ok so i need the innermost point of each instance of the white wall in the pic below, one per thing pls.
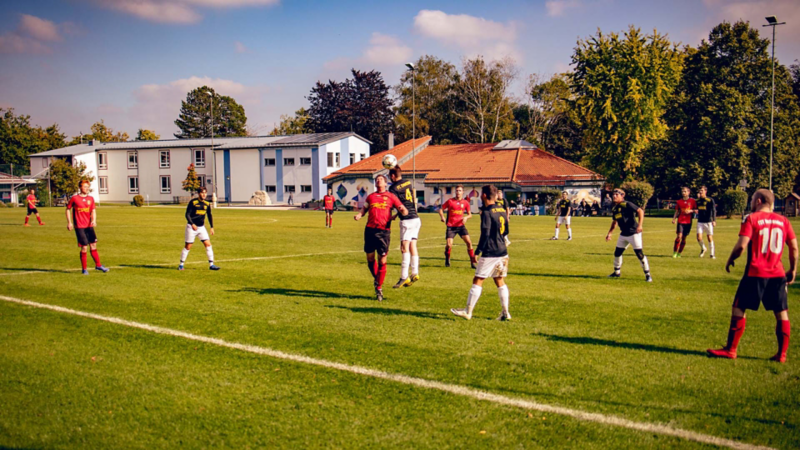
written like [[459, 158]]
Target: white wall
[[245, 176], [90, 159]]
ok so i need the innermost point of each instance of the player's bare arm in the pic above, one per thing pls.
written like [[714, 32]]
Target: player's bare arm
[[468, 216], [741, 244], [69, 219], [640, 213], [403, 210], [611, 230], [675, 216], [441, 213], [94, 218], [793, 253], [361, 213]]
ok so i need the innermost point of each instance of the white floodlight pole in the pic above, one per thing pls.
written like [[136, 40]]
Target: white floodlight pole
[[413, 132], [772, 21], [213, 151]]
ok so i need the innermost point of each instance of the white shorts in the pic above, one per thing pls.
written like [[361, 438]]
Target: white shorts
[[563, 219], [706, 228], [191, 234], [409, 229], [492, 267], [635, 240]]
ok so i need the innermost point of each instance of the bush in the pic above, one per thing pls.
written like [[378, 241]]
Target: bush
[[2, 205], [138, 200], [638, 192], [549, 198], [733, 201]]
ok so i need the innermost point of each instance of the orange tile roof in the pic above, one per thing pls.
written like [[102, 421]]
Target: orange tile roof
[[373, 163]]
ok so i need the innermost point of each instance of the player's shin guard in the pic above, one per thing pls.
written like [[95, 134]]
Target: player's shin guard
[[735, 333], [471, 253], [569, 232], [373, 269], [502, 292], [404, 265], [39, 219], [210, 254], [782, 331], [95, 257], [683, 244], [676, 244], [184, 255], [26, 219], [618, 259], [472, 298], [83, 260], [415, 264], [381, 275], [711, 245], [643, 260], [447, 253], [702, 246], [556, 235]]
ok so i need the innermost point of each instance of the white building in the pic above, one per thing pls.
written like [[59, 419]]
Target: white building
[[279, 165]]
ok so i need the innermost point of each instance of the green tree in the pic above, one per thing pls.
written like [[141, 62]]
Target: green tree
[[19, 139], [482, 101], [622, 86], [194, 120], [147, 135], [100, 132], [295, 124], [192, 182], [549, 117], [432, 97], [719, 118], [65, 178]]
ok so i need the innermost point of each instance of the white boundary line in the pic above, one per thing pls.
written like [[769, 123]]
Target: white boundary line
[[413, 381]]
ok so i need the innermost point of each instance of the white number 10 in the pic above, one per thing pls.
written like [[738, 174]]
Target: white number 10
[[773, 242]]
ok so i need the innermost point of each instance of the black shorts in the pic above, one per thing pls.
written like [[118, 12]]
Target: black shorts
[[329, 211], [453, 231], [753, 291], [684, 229], [377, 240], [85, 236], [32, 211]]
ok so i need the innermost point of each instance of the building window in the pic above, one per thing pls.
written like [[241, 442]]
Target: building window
[[363, 156], [333, 160], [166, 184], [103, 184], [305, 188], [102, 160], [269, 161], [448, 190], [288, 161], [133, 160], [133, 185], [435, 190], [269, 188], [288, 189], [305, 161], [199, 158], [44, 162], [352, 158], [163, 157]]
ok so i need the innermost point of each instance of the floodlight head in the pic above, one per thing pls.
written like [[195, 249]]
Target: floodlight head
[[772, 20], [410, 66]]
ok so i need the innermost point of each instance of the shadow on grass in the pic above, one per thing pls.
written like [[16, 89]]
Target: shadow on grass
[[301, 293], [149, 266], [627, 345], [629, 251], [30, 269], [393, 312]]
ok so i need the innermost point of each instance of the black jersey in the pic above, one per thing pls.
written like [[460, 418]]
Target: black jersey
[[706, 210], [563, 207], [625, 213], [404, 191], [196, 212], [493, 227]]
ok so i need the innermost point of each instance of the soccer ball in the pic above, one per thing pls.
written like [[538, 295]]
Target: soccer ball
[[389, 161]]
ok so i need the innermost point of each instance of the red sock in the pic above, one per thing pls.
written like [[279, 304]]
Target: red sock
[[95, 257], [39, 219], [381, 275], [330, 221], [675, 245], [735, 332], [447, 252], [782, 331], [373, 268], [471, 254], [26, 219], [683, 244], [83, 260]]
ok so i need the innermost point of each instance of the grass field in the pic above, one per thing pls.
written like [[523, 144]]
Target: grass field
[[621, 348]]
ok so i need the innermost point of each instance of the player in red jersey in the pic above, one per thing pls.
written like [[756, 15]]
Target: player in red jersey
[[329, 202], [764, 233], [82, 213], [684, 208], [378, 233], [31, 202], [458, 212]]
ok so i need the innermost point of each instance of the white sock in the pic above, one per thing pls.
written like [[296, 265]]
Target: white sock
[[415, 264], [404, 265], [472, 298], [569, 231], [556, 232], [702, 246], [617, 263], [711, 244], [184, 254], [502, 292], [210, 254], [645, 265]]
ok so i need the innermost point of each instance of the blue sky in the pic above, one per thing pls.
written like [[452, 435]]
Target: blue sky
[[130, 62]]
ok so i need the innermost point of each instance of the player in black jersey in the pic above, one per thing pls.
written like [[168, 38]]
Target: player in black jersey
[[409, 227], [502, 203], [564, 212], [706, 220], [196, 212], [625, 214], [494, 255]]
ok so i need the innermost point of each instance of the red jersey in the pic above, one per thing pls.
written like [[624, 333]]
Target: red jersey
[[329, 201], [31, 201], [82, 208], [686, 208], [455, 211], [380, 206], [768, 233]]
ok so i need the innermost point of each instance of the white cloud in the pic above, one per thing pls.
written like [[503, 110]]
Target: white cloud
[[176, 11], [14, 43], [240, 48], [40, 29], [557, 8], [387, 50], [472, 35], [34, 35]]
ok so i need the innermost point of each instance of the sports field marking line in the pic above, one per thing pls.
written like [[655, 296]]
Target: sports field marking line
[[409, 380]]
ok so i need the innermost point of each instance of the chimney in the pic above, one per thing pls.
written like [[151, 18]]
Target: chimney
[[391, 140]]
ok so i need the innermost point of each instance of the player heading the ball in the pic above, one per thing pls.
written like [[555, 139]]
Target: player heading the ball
[[196, 212], [409, 227], [630, 218]]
